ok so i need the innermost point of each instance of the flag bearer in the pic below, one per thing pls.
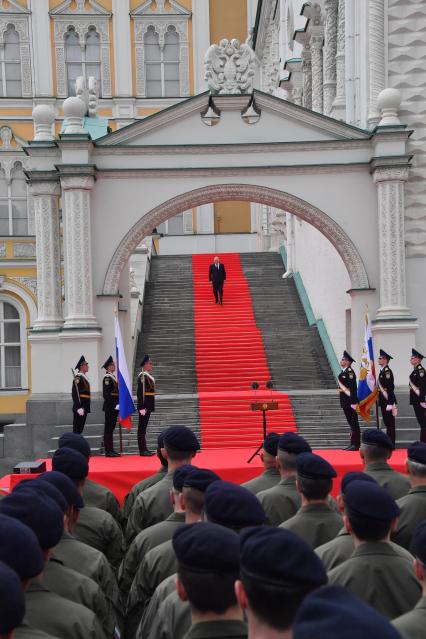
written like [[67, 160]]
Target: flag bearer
[[80, 396], [110, 407], [146, 403], [347, 388], [387, 399]]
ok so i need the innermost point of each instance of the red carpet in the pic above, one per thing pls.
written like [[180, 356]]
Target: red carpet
[[122, 473], [229, 356]]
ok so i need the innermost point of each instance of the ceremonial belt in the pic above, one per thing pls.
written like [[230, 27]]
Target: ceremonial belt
[[149, 394], [114, 394], [415, 388], [383, 391], [344, 388], [85, 396]]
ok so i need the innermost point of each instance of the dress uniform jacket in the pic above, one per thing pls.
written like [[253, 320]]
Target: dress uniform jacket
[[76, 587], [98, 529], [226, 629], [58, 616], [412, 625], [151, 506], [413, 511], [280, 502], [146, 391], [81, 393], [142, 544], [159, 563], [130, 498], [381, 577], [315, 523], [348, 379], [395, 483], [25, 631], [418, 378], [270, 477], [387, 383], [109, 392], [99, 496]]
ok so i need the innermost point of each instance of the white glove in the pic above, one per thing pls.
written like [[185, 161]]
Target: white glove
[[417, 391], [389, 407], [348, 393], [80, 411], [353, 406], [143, 411], [423, 404], [117, 407]]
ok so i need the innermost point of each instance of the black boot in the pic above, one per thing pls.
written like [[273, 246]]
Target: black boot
[[143, 450]]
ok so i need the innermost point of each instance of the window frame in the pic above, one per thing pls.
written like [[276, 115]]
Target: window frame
[[7, 299], [84, 63], [20, 25], [9, 198], [162, 63]]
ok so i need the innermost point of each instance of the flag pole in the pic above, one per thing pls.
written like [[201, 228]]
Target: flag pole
[[120, 429]]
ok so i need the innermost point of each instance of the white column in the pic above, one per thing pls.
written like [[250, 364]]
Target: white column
[[376, 57], [122, 52], [317, 73], [339, 104], [78, 252], [205, 219], [330, 51], [41, 44], [49, 295], [201, 41], [390, 193]]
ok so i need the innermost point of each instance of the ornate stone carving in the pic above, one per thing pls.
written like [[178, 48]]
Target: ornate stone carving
[[24, 249], [6, 136], [229, 67], [307, 78], [270, 63], [330, 51], [2, 249], [249, 193], [376, 57], [21, 27], [317, 73], [29, 282], [339, 105]]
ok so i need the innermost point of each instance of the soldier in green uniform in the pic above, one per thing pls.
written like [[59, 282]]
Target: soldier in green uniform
[[412, 625], [417, 386], [80, 396], [12, 598], [375, 572], [146, 403], [376, 450], [316, 522], [333, 612], [282, 501], [44, 609], [276, 566], [270, 475], [153, 505], [142, 485], [208, 566], [348, 395], [94, 494], [95, 527], [110, 406], [387, 399], [412, 505]]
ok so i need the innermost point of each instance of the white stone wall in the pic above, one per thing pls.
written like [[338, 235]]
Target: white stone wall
[[325, 279]]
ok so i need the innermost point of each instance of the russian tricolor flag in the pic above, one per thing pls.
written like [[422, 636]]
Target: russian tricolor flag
[[127, 406], [367, 390]]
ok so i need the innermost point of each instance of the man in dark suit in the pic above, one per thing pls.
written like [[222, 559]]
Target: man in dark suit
[[347, 388], [217, 276]]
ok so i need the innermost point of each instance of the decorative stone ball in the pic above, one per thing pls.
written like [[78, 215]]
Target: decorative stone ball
[[43, 114], [389, 99], [73, 107]]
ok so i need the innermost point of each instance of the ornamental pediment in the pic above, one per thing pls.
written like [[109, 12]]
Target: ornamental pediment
[[12, 7], [79, 8], [165, 8]]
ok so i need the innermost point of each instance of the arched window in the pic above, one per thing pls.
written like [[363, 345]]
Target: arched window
[[10, 65], [82, 60], [162, 63], [13, 203], [10, 346]]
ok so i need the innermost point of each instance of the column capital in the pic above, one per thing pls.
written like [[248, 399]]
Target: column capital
[[50, 188], [390, 174], [77, 182]]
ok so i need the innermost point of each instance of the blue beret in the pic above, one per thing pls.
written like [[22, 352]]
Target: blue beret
[[232, 505], [19, 548], [313, 466], [418, 542], [75, 441], [71, 463], [270, 443], [280, 558], [180, 474], [333, 612], [207, 547], [200, 479], [12, 609], [38, 512], [417, 452], [66, 486], [377, 437], [181, 438], [45, 489], [365, 499], [293, 443], [354, 475]]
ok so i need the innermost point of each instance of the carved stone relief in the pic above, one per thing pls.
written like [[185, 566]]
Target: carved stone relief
[[229, 67], [24, 249]]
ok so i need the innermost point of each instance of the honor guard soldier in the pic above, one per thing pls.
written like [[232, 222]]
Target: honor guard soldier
[[146, 403], [418, 391], [387, 399], [110, 407], [80, 396], [347, 388]]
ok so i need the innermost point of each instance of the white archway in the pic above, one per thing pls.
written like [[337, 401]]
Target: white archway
[[259, 194]]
